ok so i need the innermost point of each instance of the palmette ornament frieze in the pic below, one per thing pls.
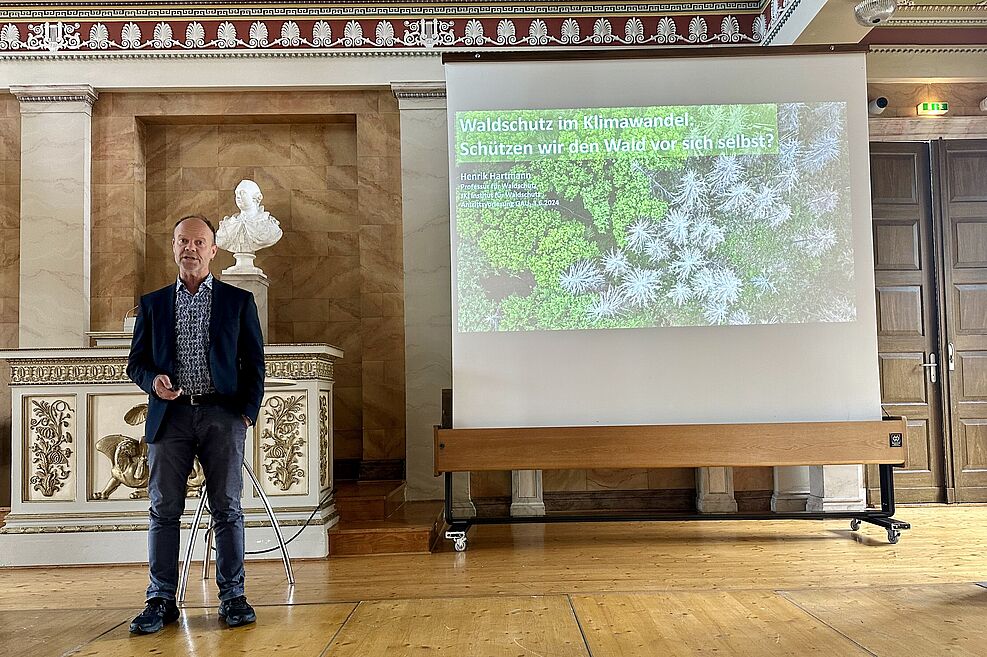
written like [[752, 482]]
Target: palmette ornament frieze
[[68, 371], [300, 367], [709, 24], [108, 370]]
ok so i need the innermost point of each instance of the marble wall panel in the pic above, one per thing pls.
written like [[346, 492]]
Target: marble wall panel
[[325, 210], [341, 176], [383, 202], [344, 243], [666, 478], [381, 258], [563, 480], [118, 170], [10, 201], [342, 145], [252, 145], [753, 479], [963, 98], [490, 484], [114, 137], [378, 135], [345, 309], [610, 479], [583, 480], [347, 444]]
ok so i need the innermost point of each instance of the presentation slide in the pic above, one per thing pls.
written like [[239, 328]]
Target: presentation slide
[[661, 240], [636, 217]]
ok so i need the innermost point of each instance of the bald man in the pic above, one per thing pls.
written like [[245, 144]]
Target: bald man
[[198, 353]]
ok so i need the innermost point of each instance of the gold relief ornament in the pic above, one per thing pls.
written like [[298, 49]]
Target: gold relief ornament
[[282, 441], [49, 448], [323, 439], [128, 457]]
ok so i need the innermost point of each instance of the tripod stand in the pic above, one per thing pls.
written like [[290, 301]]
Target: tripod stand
[[187, 564]]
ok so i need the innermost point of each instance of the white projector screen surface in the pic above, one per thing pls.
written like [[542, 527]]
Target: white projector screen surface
[[658, 241]]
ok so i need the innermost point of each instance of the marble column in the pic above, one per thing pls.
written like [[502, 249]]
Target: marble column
[[427, 280], [714, 490], [56, 161], [527, 498], [257, 284], [836, 488], [791, 489]]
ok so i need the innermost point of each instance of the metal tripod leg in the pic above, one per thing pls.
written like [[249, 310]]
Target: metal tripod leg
[[183, 579], [274, 522], [208, 554]]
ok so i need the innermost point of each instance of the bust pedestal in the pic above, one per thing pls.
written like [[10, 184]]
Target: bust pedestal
[[255, 282]]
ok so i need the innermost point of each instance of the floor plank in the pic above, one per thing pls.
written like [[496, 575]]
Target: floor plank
[[945, 545], [695, 588], [483, 627], [911, 620], [43, 632], [286, 631], [737, 623]]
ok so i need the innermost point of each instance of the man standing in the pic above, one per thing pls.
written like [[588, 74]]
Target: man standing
[[198, 353]]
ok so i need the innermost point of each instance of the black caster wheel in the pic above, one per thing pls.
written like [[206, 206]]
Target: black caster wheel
[[854, 524], [460, 544], [893, 536]]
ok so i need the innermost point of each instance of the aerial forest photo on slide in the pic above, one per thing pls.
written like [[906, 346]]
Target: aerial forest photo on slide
[[638, 217]]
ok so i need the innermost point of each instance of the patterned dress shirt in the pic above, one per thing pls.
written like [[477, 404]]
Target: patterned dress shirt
[[192, 313]]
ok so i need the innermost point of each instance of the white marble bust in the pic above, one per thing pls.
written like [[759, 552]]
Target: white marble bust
[[248, 231]]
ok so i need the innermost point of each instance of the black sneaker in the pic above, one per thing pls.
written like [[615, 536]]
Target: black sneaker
[[158, 613], [237, 611]]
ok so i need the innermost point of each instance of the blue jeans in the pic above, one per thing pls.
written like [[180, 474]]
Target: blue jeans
[[216, 435]]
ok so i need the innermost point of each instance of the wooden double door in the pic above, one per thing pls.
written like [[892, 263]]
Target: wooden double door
[[930, 259]]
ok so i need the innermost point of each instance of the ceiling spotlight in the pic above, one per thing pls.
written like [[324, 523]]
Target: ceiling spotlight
[[873, 12], [983, 105], [877, 105]]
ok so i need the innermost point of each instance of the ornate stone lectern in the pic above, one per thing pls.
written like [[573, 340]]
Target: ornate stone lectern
[[79, 463]]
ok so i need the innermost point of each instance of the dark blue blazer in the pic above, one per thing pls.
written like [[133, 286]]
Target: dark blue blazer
[[236, 350]]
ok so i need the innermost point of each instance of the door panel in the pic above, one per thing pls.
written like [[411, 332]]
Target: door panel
[[907, 319], [963, 183]]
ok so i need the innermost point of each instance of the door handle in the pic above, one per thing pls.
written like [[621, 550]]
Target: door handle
[[950, 362], [932, 367]]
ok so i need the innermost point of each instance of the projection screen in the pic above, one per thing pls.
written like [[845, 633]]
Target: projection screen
[[666, 240]]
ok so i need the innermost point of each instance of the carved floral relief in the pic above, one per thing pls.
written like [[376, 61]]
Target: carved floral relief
[[51, 425], [282, 443], [325, 445]]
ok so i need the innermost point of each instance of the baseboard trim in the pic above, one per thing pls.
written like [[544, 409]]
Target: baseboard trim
[[659, 500], [370, 470], [753, 501]]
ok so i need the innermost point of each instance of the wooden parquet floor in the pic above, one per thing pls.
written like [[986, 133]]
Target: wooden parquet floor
[[650, 589]]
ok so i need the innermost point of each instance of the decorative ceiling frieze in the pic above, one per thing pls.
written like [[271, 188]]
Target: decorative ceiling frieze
[[961, 22], [163, 29]]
